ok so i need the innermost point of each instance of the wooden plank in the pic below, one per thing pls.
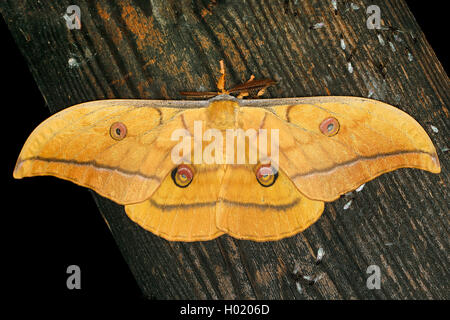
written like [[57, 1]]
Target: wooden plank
[[154, 49]]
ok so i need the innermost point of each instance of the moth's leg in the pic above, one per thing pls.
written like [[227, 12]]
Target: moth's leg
[[242, 94], [246, 93], [262, 91], [252, 77]]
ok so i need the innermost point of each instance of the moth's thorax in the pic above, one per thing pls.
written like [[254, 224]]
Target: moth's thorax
[[223, 113]]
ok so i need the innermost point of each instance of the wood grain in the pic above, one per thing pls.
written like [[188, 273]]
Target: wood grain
[[155, 49]]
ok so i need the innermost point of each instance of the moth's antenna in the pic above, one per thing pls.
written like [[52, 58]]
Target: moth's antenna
[[221, 82], [251, 85], [243, 90]]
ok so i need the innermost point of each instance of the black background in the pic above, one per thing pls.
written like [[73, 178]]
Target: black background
[[49, 224]]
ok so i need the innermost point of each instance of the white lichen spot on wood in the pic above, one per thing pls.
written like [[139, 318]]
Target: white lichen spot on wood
[[392, 46], [317, 278], [73, 63], [320, 254], [397, 38], [348, 204], [380, 39], [410, 56], [334, 4], [299, 287], [296, 269], [359, 189], [318, 25], [343, 46], [354, 6], [350, 67], [435, 130], [308, 278]]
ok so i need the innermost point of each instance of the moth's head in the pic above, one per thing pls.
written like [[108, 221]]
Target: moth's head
[[222, 111], [223, 97]]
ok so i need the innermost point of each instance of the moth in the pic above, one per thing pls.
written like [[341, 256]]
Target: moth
[[315, 149]]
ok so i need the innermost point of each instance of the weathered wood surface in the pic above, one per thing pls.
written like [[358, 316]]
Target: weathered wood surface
[[154, 49]]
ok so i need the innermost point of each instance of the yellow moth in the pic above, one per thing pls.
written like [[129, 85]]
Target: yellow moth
[[324, 146]]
